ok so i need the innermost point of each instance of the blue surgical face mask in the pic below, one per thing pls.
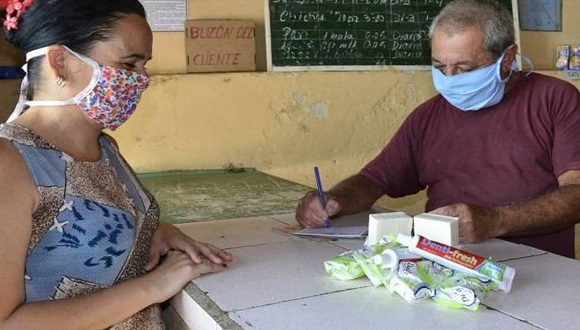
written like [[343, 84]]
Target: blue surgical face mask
[[473, 90]]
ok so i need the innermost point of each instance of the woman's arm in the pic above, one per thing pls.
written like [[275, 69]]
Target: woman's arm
[[109, 306], [101, 309]]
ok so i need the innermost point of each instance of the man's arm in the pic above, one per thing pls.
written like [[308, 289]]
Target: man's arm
[[355, 194], [352, 195], [548, 213], [551, 212]]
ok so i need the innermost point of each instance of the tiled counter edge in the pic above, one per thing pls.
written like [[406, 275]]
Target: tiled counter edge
[[200, 312]]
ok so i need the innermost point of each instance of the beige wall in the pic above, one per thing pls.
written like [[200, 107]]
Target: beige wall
[[540, 47], [9, 92], [169, 48], [280, 123]]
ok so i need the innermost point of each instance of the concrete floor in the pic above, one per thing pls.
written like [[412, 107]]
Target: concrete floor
[[214, 195]]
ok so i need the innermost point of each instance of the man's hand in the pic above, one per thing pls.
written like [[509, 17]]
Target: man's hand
[[476, 223], [352, 195], [310, 213]]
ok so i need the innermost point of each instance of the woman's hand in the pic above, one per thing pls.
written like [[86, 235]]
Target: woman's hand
[[176, 270], [167, 238]]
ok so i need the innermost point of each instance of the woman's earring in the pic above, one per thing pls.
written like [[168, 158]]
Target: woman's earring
[[60, 81]]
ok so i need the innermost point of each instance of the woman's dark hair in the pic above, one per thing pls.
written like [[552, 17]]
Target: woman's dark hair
[[77, 24]]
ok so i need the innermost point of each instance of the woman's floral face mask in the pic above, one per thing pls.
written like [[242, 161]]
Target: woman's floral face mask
[[114, 97], [110, 97]]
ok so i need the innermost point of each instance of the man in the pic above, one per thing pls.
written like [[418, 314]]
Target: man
[[497, 148]]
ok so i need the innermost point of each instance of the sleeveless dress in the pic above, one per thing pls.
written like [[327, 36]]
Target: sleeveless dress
[[92, 228]]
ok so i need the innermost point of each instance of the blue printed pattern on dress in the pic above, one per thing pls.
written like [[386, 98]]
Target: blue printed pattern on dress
[[90, 240], [46, 166]]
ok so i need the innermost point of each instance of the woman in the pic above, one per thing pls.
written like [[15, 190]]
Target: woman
[[80, 239]]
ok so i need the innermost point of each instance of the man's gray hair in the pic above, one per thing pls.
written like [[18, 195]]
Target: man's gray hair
[[493, 19]]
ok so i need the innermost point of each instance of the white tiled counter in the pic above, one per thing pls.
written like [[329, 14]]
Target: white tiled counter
[[277, 281]]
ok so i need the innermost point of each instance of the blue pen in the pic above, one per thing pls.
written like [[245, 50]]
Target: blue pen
[[321, 193]]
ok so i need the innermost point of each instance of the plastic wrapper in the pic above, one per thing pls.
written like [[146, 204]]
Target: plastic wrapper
[[345, 267], [446, 286], [410, 276]]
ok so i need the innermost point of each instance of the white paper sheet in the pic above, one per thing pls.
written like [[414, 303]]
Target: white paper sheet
[[342, 232], [166, 15]]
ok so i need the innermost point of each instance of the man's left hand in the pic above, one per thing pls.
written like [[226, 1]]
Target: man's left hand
[[476, 223]]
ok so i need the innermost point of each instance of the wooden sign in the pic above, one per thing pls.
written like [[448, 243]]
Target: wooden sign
[[220, 45]]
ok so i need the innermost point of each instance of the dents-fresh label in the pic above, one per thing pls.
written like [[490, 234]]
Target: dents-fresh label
[[463, 258]]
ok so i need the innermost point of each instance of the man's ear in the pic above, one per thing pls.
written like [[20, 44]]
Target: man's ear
[[508, 59], [56, 61]]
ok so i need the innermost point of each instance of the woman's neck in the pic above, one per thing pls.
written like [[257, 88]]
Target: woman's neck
[[66, 128]]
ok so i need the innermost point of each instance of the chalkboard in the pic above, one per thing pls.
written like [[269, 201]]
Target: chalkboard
[[329, 34]]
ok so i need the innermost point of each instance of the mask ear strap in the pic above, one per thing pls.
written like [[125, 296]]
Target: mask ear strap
[[23, 101], [19, 108], [94, 79], [529, 62], [516, 67]]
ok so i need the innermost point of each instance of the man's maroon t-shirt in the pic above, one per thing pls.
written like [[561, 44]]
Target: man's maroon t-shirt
[[511, 152]]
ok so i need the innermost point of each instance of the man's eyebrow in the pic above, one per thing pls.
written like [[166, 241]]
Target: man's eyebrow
[[139, 56], [466, 62]]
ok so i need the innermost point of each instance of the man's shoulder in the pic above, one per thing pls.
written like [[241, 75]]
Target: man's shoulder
[[426, 112], [435, 102], [540, 80]]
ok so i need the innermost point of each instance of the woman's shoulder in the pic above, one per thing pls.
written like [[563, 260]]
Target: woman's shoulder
[[9, 156], [14, 177], [23, 135]]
